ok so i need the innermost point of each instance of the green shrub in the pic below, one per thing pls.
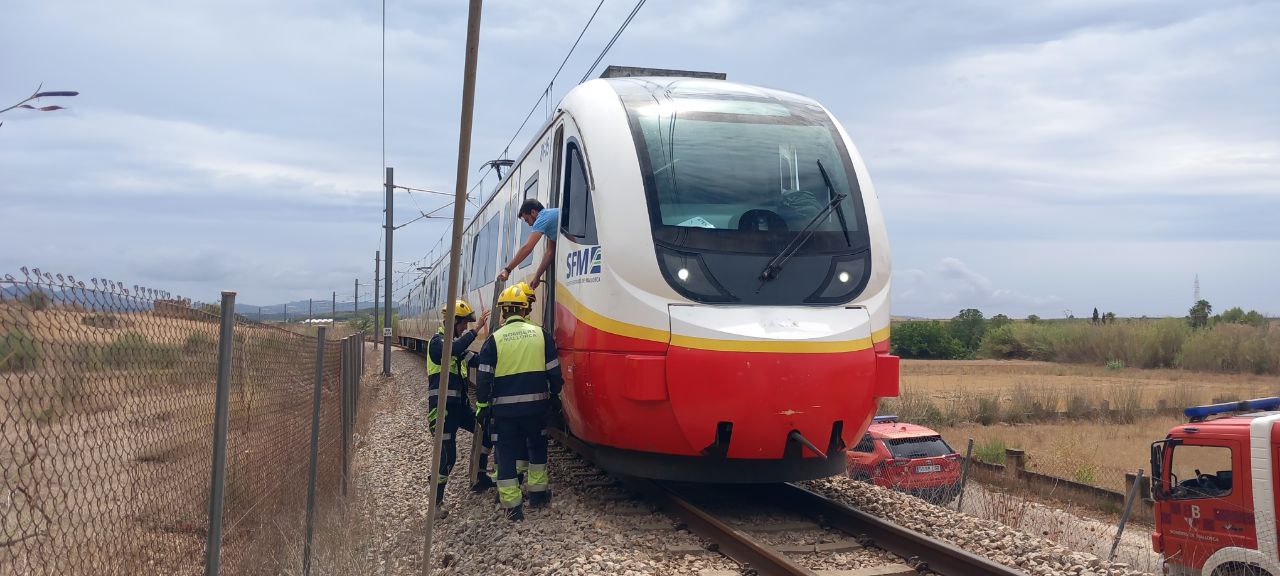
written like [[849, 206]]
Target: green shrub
[[199, 343], [19, 351], [102, 321], [1115, 364], [133, 350], [924, 339], [916, 409], [1078, 407], [1085, 474], [36, 300], [988, 410], [991, 451]]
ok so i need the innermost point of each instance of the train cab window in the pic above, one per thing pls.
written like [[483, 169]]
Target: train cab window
[[1200, 472], [866, 445], [530, 191], [577, 217]]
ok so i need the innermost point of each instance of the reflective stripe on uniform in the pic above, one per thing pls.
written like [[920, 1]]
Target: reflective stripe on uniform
[[447, 436], [537, 479], [518, 398], [522, 466], [485, 368], [553, 363], [509, 493], [435, 391]]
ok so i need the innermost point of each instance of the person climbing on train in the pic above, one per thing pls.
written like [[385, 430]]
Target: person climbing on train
[[518, 384], [544, 222], [458, 413]]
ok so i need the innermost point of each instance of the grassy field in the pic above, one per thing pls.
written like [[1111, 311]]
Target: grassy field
[[1056, 411]]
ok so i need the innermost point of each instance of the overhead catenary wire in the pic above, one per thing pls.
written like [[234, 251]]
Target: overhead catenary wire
[[607, 47], [545, 95]]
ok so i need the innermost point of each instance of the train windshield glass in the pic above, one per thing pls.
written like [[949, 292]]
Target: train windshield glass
[[742, 170]]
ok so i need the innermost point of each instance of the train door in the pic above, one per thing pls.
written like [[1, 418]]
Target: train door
[[553, 201]]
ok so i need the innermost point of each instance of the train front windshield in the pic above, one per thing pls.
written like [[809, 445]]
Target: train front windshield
[[738, 178]]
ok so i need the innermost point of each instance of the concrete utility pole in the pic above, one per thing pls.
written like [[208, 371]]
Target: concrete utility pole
[[386, 279], [377, 320], [334, 310], [459, 203], [309, 316], [356, 307]]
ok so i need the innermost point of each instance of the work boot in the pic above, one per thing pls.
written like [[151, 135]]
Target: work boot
[[441, 513], [515, 514], [439, 493], [539, 499], [482, 484]]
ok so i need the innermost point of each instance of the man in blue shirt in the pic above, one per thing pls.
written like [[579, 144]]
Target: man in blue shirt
[[544, 222]]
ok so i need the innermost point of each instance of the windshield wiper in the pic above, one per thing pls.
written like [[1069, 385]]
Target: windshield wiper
[[831, 192], [775, 264]]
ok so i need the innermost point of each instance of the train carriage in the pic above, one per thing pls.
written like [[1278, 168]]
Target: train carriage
[[720, 288]]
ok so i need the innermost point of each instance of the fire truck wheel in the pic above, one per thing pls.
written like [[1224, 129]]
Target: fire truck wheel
[[1238, 569]]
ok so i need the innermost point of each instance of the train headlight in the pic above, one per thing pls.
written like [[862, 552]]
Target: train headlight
[[845, 279], [689, 276]]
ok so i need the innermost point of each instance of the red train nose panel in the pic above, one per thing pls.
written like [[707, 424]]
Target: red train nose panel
[[766, 395]]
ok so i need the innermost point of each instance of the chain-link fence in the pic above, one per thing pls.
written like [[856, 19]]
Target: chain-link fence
[[107, 433]]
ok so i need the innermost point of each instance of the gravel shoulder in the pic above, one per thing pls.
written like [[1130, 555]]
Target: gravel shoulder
[[1000, 543], [588, 529]]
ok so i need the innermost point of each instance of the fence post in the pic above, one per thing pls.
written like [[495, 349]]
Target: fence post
[[964, 473], [221, 411], [1128, 507], [347, 371], [315, 445], [1015, 461]]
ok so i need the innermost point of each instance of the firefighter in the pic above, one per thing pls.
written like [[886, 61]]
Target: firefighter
[[518, 384], [522, 457], [458, 412]]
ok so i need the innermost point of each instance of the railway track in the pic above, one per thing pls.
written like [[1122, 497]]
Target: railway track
[[710, 513]]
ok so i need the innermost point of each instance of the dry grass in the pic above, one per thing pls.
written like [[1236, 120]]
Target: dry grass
[[1076, 442]]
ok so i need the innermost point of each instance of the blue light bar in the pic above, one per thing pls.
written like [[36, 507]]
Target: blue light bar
[[1197, 413], [882, 419]]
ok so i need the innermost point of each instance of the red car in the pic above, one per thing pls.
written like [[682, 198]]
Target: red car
[[908, 458]]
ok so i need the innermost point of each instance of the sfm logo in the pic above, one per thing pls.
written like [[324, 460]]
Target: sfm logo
[[584, 261]]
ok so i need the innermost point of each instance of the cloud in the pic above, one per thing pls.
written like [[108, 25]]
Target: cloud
[[247, 136], [952, 285]]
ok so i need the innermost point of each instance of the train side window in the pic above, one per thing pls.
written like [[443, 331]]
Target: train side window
[[485, 253], [1197, 471], [530, 191], [866, 445], [577, 218]]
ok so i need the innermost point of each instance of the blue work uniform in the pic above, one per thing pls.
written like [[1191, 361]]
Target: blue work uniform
[[458, 413]]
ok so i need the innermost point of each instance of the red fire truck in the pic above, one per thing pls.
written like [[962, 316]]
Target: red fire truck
[[1214, 481]]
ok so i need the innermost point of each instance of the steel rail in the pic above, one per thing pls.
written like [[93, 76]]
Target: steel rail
[[933, 554], [926, 552]]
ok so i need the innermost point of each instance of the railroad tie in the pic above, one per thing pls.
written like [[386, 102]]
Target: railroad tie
[[837, 546], [886, 570]]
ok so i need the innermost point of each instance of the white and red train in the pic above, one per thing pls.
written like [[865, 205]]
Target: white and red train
[[720, 292]]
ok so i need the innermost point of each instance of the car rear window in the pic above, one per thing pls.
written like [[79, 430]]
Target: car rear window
[[919, 447]]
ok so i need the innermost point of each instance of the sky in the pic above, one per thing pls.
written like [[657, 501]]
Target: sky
[[1038, 157]]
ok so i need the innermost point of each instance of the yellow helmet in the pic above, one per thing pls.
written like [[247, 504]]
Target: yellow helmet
[[461, 311], [528, 292], [514, 297]]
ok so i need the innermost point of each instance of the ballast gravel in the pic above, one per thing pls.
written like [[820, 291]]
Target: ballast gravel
[[995, 541], [582, 532], [592, 528]]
